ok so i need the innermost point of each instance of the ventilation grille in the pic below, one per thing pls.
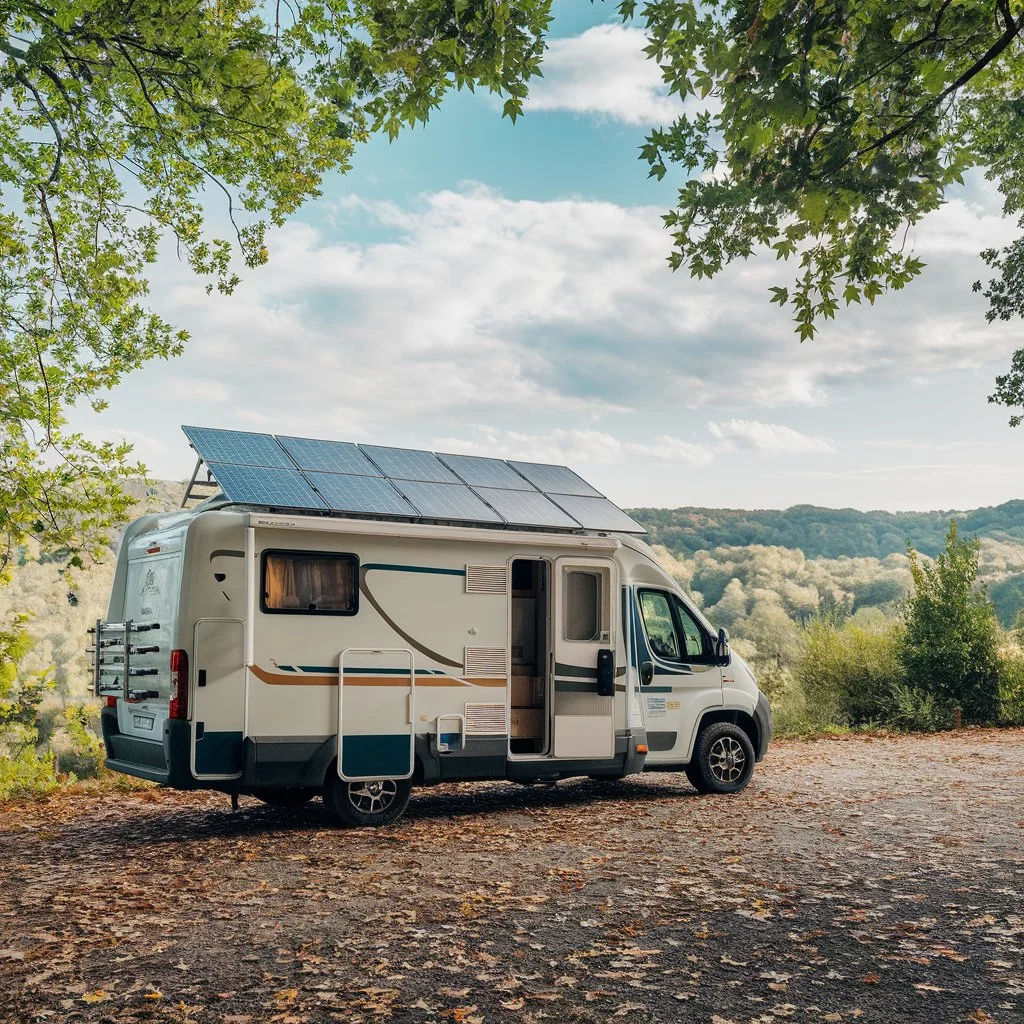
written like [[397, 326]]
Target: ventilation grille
[[486, 579], [485, 662], [485, 719]]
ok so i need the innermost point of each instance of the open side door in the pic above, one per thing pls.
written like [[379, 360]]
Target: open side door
[[376, 712], [584, 647], [218, 699]]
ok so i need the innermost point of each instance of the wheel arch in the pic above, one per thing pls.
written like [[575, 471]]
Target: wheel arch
[[734, 716]]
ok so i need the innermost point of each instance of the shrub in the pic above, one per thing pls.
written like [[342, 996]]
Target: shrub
[[27, 773], [1011, 687], [847, 674], [949, 648], [81, 753], [913, 710]]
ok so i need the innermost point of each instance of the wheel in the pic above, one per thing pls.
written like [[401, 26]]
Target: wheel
[[723, 760], [290, 796], [362, 804]]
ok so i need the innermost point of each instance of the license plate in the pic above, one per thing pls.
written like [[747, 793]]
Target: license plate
[[142, 722]]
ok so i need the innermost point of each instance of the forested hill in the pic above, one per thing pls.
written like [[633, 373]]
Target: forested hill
[[824, 532]]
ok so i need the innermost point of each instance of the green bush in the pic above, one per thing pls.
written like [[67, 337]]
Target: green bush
[[950, 644], [847, 674], [1011, 687], [913, 710], [81, 751], [27, 773]]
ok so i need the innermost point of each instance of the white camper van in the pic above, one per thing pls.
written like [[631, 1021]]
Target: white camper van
[[351, 621]]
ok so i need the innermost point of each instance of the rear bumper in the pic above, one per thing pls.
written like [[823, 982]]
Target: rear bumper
[[166, 760], [763, 717]]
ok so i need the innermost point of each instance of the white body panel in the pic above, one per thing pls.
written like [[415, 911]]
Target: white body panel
[[271, 677]]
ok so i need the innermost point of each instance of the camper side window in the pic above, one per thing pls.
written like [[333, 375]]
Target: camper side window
[[310, 583]]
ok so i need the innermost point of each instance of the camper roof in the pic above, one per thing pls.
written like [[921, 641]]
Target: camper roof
[[372, 482]]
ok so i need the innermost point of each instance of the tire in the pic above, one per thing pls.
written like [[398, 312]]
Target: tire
[[723, 761], [365, 804], [291, 796]]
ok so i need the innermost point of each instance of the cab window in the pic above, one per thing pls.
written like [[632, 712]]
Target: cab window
[[672, 632], [661, 629]]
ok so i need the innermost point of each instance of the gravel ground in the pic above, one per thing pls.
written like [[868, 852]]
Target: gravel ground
[[856, 879]]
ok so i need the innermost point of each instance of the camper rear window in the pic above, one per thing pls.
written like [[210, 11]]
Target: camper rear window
[[310, 583]]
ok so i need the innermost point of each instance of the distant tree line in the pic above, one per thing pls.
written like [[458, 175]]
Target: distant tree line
[[825, 532]]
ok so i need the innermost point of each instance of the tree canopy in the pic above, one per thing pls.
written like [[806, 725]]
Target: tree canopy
[[124, 126], [823, 131]]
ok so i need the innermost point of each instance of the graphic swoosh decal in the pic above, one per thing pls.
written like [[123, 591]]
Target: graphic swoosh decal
[[433, 655]]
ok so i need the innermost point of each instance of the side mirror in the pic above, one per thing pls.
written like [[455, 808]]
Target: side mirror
[[722, 653], [646, 672]]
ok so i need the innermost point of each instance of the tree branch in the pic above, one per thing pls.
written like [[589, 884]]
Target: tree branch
[[1012, 31], [45, 111]]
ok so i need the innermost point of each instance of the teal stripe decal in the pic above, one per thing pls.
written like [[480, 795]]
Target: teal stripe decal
[[656, 689], [413, 568]]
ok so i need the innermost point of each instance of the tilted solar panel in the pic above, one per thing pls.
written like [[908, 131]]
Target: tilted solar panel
[[238, 447], [447, 501], [526, 508], [264, 485], [555, 479], [597, 513], [328, 456], [408, 464], [480, 472], [344, 492]]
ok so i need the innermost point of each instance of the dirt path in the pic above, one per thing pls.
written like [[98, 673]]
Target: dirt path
[[855, 880]]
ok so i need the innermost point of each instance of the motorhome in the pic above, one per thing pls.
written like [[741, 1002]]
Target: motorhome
[[350, 621]]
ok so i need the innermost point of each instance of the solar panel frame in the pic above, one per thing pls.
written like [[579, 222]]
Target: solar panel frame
[[480, 471], [526, 508], [409, 464], [316, 456], [455, 502], [551, 479], [351, 492], [238, 447], [266, 485], [596, 513]]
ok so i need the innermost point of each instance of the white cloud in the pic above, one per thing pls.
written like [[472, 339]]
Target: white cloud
[[769, 438], [590, 447], [561, 315], [604, 72], [198, 388]]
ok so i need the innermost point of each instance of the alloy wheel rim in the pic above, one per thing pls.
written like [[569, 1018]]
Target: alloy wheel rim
[[372, 797], [727, 760]]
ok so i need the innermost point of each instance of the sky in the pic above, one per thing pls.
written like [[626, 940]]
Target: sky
[[489, 288]]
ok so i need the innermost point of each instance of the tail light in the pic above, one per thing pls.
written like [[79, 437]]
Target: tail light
[[178, 708], [111, 702]]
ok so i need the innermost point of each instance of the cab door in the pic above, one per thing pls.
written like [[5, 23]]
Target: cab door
[[680, 677], [583, 710]]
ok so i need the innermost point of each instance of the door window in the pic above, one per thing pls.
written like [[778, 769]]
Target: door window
[[695, 641], [672, 632], [586, 605]]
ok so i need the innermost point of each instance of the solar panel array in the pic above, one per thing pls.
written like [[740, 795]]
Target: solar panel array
[[364, 479]]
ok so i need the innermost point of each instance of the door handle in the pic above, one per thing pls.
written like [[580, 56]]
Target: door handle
[[201, 678], [646, 672]]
